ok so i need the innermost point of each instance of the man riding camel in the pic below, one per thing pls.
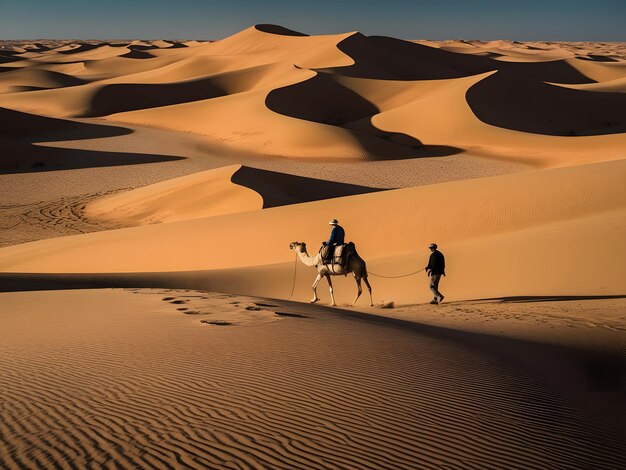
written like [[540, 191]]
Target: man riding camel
[[337, 237]]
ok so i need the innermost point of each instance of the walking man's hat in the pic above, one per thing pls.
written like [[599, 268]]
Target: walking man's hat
[[433, 245], [333, 222]]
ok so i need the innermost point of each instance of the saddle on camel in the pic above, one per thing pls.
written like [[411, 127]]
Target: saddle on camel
[[337, 255]]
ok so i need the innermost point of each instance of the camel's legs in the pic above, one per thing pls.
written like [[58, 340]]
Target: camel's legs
[[315, 283], [330, 286], [359, 289], [367, 283]]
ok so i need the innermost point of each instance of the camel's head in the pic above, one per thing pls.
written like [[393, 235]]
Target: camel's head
[[298, 246]]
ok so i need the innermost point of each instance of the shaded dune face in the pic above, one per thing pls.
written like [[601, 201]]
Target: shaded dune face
[[32, 128], [275, 29], [81, 48], [20, 131], [513, 102], [128, 97], [19, 157], [36, 79], [137, 54], [377, 59], [321, 99], [278, 189], [395, 59]]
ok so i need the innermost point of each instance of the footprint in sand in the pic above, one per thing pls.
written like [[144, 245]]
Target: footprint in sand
[[178, 302], [216, 322], [286, 314], [168, 298]]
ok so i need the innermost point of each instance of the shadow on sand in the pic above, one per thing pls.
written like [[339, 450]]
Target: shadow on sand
[[31, 128], [280, 189], [550, 298], [28, 158], [387, 58], [542, 108]]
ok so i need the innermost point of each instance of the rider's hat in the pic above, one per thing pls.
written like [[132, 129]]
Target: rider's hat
[[333, 222], [433, 245]]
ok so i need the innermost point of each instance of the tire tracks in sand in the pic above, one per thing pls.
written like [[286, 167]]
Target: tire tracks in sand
[[22, 223]]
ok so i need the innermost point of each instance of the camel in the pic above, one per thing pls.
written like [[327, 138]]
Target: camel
[[356, 266]]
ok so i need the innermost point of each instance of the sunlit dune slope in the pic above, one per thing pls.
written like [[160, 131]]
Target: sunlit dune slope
[[532, 233], [203, 194]]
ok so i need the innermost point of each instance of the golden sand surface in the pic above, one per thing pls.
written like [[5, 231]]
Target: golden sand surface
[[190, 379]]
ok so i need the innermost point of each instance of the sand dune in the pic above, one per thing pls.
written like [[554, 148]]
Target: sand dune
[[617, 85], [599, 71], [553, 211], [451, 120], [33, 79], [541, 108], [264, 130], [373, 86], [227, 190], [403, 60], [203, 194]]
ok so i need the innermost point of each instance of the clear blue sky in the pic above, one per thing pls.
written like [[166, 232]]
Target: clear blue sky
[[565, 20]]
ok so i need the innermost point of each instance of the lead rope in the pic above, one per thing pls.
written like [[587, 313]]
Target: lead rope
[[295, 268], [396, 277], [293, 284]]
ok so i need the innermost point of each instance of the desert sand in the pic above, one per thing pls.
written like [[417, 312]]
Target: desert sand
[[133, 172]]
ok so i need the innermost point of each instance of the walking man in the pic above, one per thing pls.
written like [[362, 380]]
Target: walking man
[[435, 269]]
